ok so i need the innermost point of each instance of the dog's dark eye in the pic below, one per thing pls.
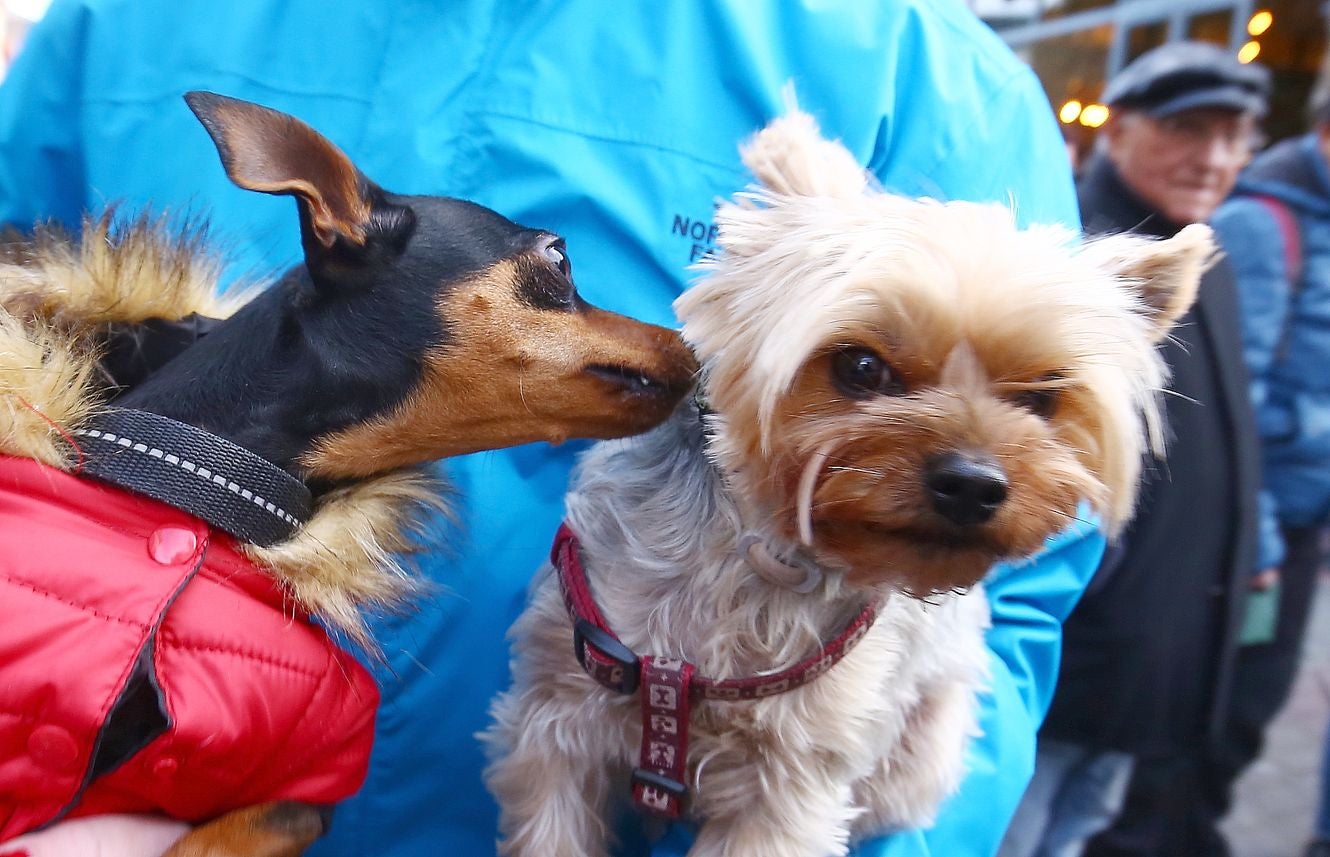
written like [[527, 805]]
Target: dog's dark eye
[[859, 372], [1041, 403], [555, 253]]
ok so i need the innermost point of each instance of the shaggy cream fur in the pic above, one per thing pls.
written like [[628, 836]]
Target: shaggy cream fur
[[56, 290], [806, 259], [1016, 349]]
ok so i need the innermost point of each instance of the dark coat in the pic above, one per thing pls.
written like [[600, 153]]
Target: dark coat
[[1147, 654]]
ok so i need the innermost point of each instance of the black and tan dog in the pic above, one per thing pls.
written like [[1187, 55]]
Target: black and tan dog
[[418, 327]]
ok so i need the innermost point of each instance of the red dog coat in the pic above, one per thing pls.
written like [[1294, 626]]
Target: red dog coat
[[113, 608]]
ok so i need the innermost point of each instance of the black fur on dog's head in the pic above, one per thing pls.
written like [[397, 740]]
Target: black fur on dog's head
[[418, 327]]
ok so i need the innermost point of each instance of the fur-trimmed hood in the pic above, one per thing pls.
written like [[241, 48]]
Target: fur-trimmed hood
[[58, 293]]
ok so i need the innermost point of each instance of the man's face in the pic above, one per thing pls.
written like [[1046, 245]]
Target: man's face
[[1183, 164]]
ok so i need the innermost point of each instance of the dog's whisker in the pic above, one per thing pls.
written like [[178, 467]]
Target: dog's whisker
[[1182, 397], [419, 664], [836, 501], [521, 390], [845, 468], [1072, 517]]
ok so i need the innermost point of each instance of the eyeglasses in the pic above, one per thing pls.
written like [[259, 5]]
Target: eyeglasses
[[1236, 134]]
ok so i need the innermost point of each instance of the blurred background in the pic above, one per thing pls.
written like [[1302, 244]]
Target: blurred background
[[1074, 46]]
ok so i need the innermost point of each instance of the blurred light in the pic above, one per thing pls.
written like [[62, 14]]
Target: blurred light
[[1249, 51], [1260, 22], [1070, 111], [28, 10], [1094, 115]]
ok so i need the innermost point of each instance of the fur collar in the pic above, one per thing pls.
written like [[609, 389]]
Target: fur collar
[[57, 291]]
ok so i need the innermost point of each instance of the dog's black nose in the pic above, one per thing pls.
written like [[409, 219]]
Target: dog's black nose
[[965, 489]]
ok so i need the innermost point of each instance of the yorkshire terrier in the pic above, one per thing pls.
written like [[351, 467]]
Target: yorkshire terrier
[[895, 395]]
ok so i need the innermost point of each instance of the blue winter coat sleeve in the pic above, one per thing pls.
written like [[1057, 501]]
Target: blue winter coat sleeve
[[41, 163], [1254, 245]]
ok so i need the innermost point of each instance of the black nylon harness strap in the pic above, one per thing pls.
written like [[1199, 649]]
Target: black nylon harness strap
[[200, 473]]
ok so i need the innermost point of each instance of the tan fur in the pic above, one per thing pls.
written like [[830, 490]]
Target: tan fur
[[55, 291], [789, 156], [282, 829], [343, 560], [1166, 273], [125, 273], [45, 383]]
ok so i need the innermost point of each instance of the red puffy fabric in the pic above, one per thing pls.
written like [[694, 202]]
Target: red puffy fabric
[[261, 704]]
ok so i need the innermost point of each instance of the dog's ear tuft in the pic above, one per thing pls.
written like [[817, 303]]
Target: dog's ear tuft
[[270, 152], [790, 156], [1166, 274]]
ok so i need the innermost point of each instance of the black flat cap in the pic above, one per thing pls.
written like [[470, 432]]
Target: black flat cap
[[1183, 75]]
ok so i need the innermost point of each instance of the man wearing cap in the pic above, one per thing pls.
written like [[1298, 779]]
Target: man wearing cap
[[1138, 717]]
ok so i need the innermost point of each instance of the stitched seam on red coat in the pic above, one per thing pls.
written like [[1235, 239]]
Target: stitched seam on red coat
[[46, 593], [176, 642], [300, 762]]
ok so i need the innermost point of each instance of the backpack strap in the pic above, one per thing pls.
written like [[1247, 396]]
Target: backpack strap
[[1292, 235], [1292, 239]]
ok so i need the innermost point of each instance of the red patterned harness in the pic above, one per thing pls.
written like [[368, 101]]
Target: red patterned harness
[[670, 686]]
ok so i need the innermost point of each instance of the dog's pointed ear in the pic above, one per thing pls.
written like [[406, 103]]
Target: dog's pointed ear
[[790, 156], [270, 152], [1166, 274]]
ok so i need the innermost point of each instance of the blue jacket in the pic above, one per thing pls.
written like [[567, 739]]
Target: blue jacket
[[1286, 326], [618, 130]]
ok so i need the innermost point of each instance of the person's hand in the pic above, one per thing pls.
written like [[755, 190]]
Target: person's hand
[[99, 836], [1260, 582]]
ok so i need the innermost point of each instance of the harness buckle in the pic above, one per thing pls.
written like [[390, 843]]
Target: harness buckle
[[622, 673], [658, 793]]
